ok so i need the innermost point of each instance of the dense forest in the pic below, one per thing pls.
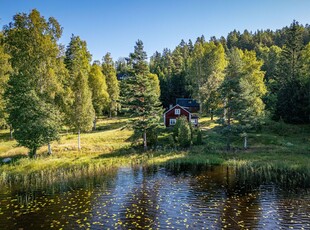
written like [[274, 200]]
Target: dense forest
[[243, 79]]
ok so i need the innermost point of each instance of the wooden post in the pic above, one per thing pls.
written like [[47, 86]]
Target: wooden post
[[11, 132], [49, 149], [144, 141], [245, 142], [79, 140]]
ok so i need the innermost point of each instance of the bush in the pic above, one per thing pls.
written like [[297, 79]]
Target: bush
[[182, 132], [199, 137], [152, 137]]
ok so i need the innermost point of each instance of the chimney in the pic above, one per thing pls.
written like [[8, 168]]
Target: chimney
[[170, 106]]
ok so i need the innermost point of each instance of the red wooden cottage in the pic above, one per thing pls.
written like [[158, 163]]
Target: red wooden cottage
[[171, 115]]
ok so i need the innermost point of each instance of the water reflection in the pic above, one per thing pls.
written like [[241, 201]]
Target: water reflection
[[204, 197]]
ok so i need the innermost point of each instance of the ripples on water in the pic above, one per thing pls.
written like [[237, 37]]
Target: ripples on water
[[157, 198]]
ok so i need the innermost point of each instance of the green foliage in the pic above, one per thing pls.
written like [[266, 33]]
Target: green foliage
[[152, 136], [175, 131], [34, 121], [242, 91], [171, 68], [184, 138], [98, 87], [37, 81], [182, 132], [141, 96], [5, 70], [142, 100], [83, 113], [199, 137], [206, 73], [31, 42], [77, 58], [112, 83], [138, 59], [293, 94], [243, 88]]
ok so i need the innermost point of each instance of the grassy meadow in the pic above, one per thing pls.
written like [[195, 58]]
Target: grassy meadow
[[277, 146]]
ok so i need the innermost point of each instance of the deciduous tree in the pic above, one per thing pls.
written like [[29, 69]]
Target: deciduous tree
[[31, 41], [78, 63], [109, 72], [98, 87]]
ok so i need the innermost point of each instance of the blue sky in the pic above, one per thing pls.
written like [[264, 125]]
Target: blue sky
[[115, 26]]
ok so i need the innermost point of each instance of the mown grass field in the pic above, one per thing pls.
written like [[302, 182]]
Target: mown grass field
[[277, 145]]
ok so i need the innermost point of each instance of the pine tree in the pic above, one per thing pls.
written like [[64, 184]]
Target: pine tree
[[242, 92], [141, 95], [138, 59], [142, 101], [112, 84]]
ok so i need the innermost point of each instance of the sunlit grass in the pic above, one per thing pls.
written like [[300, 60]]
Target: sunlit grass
[[109, 147]]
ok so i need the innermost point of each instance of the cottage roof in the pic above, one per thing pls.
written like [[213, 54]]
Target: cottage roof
[[187, 102]]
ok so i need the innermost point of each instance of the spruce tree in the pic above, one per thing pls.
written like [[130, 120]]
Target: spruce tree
[[142, 102], [242, 92], [138, 59], [291, 97], [141, 96]]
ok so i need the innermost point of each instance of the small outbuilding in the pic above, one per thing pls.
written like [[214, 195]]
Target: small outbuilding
[[171, 115]]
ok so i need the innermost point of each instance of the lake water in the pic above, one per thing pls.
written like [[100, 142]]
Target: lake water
[[157, 198]]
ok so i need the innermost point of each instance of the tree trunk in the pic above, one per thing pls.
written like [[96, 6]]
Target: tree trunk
[[225, 110], [11, 132], [95, 123], [79, 140], [211, 114], [228, 142], [33, 153], [49, 149], [110, 112], [144, 141], [245, 145]]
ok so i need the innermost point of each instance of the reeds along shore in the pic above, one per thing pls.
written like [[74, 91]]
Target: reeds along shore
[[279, 153]]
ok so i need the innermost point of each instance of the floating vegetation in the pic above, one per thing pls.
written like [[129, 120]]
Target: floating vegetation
[[201, 196]]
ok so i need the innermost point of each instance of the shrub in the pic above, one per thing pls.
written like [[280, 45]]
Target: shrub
[[182, 132], [199, 137], [152, 137]]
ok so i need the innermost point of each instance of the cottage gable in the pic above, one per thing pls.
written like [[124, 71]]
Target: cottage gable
[[171, 115]]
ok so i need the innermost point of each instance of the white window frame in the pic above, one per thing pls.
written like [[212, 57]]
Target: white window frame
[[172, 121], [177, 111], [194, 121]]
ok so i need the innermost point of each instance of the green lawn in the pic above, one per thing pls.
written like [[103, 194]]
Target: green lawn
[[276, 146]]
